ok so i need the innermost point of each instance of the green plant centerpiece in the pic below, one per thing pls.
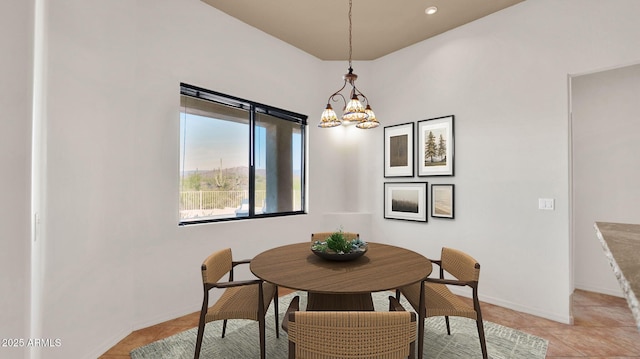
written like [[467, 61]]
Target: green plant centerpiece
[[338, 247]]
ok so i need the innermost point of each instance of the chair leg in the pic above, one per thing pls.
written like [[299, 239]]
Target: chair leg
[[446, 320], [224, 327], [293, 307], [479, 323], [483, 343], [420, 336], [412, 350], [292, 350], [262, 338], [199, 338], [276, 313]]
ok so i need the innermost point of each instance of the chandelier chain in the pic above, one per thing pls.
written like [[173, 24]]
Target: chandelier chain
[[353, 111], [350, 27]]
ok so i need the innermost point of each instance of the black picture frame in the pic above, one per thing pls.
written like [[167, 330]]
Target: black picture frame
[[399, 150], [435, 150], [442, 201], [406, 201]]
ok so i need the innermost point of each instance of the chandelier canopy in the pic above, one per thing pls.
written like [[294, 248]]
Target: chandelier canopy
[[353, 111]]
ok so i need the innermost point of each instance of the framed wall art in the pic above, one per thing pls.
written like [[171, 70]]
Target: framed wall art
[[406, 200], [435, 147], [442, 200], [398, 150]]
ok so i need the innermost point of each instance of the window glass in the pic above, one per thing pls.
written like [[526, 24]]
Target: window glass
[[278, 165], [219, 137]]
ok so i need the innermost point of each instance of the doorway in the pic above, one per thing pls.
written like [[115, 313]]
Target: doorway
[[605, 167]]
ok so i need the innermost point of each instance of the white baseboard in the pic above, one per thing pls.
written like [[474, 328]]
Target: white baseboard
[[116, 338], [557, 317], [108, 343], [165, 316], [617, 292]]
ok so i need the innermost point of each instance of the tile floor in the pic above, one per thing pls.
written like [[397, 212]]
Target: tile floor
[[603, 328]]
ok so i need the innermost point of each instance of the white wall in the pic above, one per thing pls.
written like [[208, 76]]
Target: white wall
[[113, 256], [87, 199], [15, 160], [196, 44], [504, 77], [606, 167]]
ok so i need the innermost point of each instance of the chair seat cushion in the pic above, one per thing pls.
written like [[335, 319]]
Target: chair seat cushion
[[240, 303], [439, 301]]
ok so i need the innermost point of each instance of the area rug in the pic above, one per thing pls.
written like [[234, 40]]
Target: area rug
[[241, 340]]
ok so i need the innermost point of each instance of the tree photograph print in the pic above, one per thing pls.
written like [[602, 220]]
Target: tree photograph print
[[435, 150]]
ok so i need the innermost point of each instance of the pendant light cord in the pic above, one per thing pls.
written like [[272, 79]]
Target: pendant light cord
[[350, 26], [353, 110]]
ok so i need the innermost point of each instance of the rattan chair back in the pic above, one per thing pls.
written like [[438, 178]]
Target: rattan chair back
[[324, 335], [216, 266], [460, 265]]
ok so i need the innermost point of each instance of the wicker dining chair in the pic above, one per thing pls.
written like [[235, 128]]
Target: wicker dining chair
[[322, 236], [432, 298], [338, 335], [246, 299]]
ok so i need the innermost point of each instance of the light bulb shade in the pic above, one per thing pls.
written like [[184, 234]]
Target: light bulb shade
[[370, 122], [354, 112], [329, 118]]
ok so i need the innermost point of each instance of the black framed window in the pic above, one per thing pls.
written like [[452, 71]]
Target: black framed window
[[238, 159]]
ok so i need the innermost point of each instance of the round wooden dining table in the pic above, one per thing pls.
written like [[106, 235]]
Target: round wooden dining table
[[340, 285]]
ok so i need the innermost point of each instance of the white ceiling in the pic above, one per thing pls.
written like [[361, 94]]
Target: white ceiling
[[380, 27]]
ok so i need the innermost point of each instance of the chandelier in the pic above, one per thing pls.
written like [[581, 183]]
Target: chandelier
[[353, 111]]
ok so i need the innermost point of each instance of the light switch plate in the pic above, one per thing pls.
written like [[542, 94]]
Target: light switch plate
[[546, 203]]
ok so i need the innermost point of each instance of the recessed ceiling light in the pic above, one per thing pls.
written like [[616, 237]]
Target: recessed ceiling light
[[431, 10]]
